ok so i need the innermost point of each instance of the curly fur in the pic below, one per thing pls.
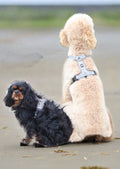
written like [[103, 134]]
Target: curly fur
[[51, 126], [84, 99]]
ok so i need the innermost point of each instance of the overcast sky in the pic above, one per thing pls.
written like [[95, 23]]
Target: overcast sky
[[59, 2]]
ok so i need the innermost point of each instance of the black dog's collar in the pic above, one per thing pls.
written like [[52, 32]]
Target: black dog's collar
[[84, 72], [40, 106]]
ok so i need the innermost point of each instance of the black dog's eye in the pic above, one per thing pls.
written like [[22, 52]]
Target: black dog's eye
[[20, 88], [14, 87]]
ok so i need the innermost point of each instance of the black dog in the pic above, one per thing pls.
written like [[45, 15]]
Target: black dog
[[40, 117]]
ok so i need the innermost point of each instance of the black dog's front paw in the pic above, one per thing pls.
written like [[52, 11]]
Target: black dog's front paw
[[23, 144], [37, 145]]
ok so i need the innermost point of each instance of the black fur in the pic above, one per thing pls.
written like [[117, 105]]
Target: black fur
[[51, 126]]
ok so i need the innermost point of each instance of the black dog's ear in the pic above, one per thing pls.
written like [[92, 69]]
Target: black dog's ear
[[8, 98], [30, 99]]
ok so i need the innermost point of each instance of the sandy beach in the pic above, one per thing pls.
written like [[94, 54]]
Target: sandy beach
[[37, 57]]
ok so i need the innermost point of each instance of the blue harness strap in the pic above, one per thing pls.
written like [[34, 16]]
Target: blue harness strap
[[84, 72], [40, 106]]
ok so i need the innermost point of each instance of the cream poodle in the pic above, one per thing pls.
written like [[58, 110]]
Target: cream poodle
[[83, 95]]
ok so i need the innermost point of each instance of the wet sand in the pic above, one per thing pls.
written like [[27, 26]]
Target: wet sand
[[37, 57]]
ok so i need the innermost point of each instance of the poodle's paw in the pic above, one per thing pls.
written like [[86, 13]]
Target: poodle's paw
[[75, 137]]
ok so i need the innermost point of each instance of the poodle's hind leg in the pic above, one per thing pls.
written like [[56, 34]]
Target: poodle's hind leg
[[97, 139], [103, 139], [107, 139]]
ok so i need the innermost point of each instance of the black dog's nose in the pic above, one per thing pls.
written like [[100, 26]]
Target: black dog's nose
[[16, 92]]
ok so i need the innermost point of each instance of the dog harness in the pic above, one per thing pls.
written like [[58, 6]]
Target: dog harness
[[40, 106], [84, 72]]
